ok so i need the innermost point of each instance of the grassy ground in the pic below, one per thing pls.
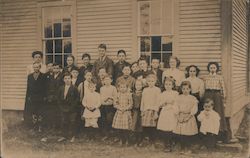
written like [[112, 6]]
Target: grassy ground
[[20, 142]]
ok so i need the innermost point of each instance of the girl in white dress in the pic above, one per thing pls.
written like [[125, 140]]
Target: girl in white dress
[[168, 117], [187, 108]]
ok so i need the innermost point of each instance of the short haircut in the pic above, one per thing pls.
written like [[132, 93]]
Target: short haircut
[[86, 55], [213, 63], [122, 83], [107, 76], [155, 59], [121, 51], [188, 68], [87, 71], [185, 83], [71, 56], [142, 58], [171, 79], [75, 69], [126, 66], [136, 62], [151, 75], [67, 74], [178, 62], [37, 64], [37, 52], [102, 46], [207, 100], [56, 64]]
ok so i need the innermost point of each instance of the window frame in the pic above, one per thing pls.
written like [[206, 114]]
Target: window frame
[[173, 34], [40, 28]]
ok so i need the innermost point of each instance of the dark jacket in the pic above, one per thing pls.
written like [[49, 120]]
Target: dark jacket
[[107, 63], [158, 73], [71, 102], [35, 96], [52, 86], [82, 71], [118, 69]]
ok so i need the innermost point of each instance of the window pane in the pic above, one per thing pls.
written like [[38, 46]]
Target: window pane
[[58, 59], [145, 44], [57, 29], [49, 46], [58, 46], [166, 57], [48, 29], [49, 59], [156, 56], [144, 18], [67, 46], [66, 28], [167, 44], [156, 43]]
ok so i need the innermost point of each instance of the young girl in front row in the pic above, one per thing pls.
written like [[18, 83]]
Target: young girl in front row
[[168, 117], [187, 108], [136, 113], [150, 107], [122, 119]]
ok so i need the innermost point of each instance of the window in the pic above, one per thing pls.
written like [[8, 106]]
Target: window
[[57, 33], [155, 29]]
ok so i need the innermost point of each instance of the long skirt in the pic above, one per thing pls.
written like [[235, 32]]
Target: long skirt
[[216, 96]]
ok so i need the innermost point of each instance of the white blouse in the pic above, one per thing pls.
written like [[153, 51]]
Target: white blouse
[[150, 99], [197, 85], [210, 123], [177, 74]]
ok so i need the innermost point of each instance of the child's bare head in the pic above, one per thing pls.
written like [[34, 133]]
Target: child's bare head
[[169, 83], [151, 80], [122, 87], [88, 75], [107, 80], [208, 104], [102, 72], [126, 70], [185, 87]]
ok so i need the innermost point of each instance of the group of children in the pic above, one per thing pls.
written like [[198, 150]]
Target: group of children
[[120, 99]]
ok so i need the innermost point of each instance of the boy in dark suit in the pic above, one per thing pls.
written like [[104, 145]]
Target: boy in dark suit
[[68, 101], [155, 63], [35, 96], [118, 67], [53, 82], [103, 62], [87, 66]]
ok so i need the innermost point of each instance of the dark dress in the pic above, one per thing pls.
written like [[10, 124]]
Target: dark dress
[[118, 69], [136, 113], [35, 96]]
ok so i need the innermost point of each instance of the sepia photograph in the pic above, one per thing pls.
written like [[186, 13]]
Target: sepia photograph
[[124, 78]]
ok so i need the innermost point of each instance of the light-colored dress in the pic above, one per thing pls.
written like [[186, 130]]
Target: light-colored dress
[[177, 74], [187, 105], [91, 99], [108, 93], [123, 116], [210, 123], [167, 119], [150, 106]]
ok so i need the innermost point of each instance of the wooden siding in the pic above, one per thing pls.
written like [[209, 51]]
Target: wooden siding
[[199, 33], [18, 41], [108, 22], [239, 54]]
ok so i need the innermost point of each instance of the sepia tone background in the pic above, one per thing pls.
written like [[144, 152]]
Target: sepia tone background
[[196, 31]]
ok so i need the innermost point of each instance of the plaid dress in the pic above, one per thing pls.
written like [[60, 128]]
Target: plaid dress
[[123, 117]]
